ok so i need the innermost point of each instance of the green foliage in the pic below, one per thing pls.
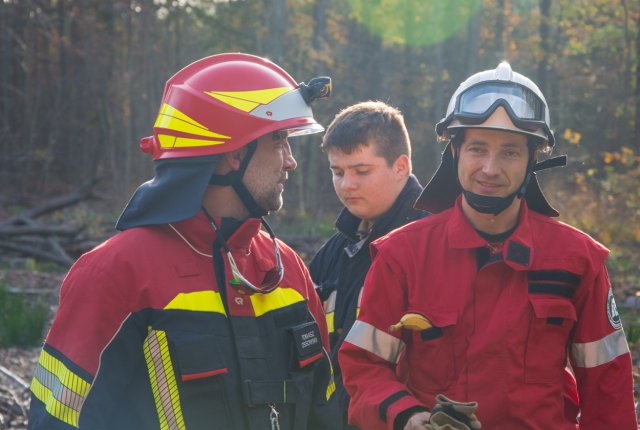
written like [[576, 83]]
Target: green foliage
[[21, 322], [631, 322], [304, 225], [604, 201], [414, 22]]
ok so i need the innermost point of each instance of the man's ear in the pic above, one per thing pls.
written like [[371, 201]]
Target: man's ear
[[234, 158], [402, 165]]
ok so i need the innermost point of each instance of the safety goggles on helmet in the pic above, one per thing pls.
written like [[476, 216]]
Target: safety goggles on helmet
[[481, 100], [526, 110]]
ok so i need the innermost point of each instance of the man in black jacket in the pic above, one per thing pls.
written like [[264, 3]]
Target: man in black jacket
[[370, 159]]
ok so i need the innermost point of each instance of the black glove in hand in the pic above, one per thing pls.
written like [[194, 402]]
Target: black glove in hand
[[448, 414]]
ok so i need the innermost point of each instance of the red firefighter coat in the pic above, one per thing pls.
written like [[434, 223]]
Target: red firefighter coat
[[152, 333], [505, 321]]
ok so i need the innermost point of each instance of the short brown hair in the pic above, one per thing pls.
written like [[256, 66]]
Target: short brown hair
[[366, 123]]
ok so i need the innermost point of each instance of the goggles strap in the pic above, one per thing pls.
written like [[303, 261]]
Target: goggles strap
[[239, 279]]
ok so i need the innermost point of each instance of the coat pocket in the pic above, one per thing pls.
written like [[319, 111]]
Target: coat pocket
[[436, 344], [202, 377], [549, 329], [199, 358]]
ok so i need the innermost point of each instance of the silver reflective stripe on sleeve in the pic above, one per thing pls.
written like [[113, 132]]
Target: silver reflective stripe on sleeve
[[605, 350], [375, 341]]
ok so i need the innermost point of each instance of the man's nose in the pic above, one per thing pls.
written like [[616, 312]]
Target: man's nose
[[491, 165], [349, 180], [290, 163]]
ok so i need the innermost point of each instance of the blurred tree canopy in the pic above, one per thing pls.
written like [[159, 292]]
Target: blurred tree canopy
[[81, 81]]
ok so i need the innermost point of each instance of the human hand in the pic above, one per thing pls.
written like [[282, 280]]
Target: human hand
[[418, 421]]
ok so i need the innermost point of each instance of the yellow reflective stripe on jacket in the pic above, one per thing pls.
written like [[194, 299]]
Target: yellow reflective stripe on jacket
[[62, 391], [331, 387], [359, 301], [279, 298], [201, 301], [163, 381], [605, 350], [329, 306], [375, 341]]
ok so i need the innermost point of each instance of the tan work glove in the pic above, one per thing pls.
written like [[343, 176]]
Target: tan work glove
[[448, 414]]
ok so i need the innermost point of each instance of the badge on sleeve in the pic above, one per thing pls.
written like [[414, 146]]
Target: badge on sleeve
[[612, 311]]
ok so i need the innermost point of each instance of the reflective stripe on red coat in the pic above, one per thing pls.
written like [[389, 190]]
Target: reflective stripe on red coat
[[502, 333], [143, 338]]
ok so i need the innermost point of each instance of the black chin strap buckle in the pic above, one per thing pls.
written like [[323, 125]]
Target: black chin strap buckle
[[550, 163]]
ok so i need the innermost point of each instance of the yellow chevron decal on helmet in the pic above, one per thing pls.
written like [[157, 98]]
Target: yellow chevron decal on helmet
[[172, 119], [167, 141], [248, 100], [171, 111]]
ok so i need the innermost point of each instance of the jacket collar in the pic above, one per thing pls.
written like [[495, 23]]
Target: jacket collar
[[347, 223], [517, 250], [199, 232]]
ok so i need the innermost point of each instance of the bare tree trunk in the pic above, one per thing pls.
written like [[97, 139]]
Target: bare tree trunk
[[277, 29], [473, 41], [5, 66], [543, 65], [637, 90], [499, 36]]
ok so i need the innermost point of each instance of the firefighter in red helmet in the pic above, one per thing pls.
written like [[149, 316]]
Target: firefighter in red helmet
[[471, 317], [195, 315]]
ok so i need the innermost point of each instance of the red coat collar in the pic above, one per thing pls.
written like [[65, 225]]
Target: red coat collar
[[201, 235], [517, 251]]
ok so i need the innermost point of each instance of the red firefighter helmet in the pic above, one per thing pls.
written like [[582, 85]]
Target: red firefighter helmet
[[223, 102]]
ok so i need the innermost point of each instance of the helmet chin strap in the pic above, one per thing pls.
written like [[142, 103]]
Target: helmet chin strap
[[234, 179], [489, 204]]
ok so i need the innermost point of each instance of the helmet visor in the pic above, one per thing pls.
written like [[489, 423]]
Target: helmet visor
[[480, 100]]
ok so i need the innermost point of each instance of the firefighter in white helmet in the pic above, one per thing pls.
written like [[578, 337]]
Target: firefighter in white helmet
[[488, 300]]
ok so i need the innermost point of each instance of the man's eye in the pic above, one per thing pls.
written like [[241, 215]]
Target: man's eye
[[363, 172], [279, 135], [337, 173]]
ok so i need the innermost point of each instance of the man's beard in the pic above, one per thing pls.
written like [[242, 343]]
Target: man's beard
[[271, 201]]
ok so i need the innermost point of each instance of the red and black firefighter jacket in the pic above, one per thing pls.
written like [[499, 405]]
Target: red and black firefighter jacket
[[152, 334], [339, 268], [504, 323]]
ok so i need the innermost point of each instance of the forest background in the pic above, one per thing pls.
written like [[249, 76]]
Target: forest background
[[81, 81]]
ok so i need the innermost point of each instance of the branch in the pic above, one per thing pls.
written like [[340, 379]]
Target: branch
[[13, 377], [81, 193], [28, 250], [39, 230]]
